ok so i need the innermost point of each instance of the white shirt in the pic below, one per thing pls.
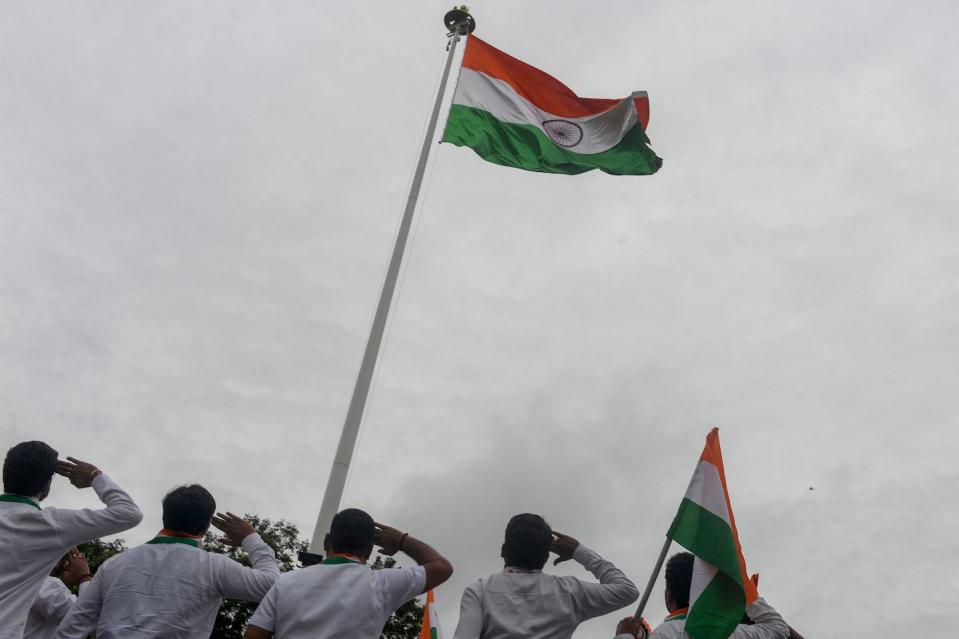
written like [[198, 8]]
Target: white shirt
[[768, 624], [32, 541], [169, 589], [534, 605], [342, 600], [52, 604]]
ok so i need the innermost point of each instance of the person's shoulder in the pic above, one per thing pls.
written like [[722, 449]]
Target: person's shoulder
[[51, 586], [483, 582], [672, 629], [569, 582], [395, 574]]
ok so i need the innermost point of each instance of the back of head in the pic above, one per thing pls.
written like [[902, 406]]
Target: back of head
[[188, 509], [679, 577], [527, 542], [28, 468], [351, 532]]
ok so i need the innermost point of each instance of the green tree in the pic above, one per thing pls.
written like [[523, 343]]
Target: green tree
[[98, 551]]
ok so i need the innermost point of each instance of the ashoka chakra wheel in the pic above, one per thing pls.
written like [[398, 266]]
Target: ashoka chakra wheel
[[563, 132]]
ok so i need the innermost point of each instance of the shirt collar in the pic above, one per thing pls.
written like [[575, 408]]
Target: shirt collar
[[342, 558], [679, 613], [19, 499], [514, 570], [167, 536]]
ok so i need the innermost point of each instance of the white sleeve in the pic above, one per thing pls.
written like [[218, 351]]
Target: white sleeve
[[236, 581], [82, 618], [265, 615], [470, 625], [76, 527], [767, 623], [398, 585], [53, 601], [613, 591]]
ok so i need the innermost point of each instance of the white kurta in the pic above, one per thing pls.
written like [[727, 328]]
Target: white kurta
[[534, 605], [167, 590], [336, 601], [768, 624], [32, 541], [52, 604]]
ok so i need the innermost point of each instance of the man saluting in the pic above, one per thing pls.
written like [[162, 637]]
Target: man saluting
[[523, 601], [33, 540], [341, 597], [170, 586]]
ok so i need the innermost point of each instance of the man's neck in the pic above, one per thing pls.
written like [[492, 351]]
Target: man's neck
[[166, 532], [517, 569], [346, 555]]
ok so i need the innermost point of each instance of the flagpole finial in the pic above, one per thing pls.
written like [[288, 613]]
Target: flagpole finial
[[459, 21]]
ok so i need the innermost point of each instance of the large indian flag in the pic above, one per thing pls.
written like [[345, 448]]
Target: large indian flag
[[431, 621], [704, 525], [516, 115]]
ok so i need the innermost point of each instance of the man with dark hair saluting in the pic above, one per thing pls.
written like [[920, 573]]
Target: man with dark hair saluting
[[170, 586], [766, 623], [34, 540], [341, 596], [522, 601]]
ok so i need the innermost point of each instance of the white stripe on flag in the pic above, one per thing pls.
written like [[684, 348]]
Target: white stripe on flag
[[601, 131], [706, 490]]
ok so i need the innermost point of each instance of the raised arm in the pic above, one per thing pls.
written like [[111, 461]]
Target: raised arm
[[80, 526], [437, 568], [235, 580], [767, 623], [614, 589]]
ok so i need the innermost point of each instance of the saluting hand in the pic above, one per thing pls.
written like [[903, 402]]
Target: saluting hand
[[234, 527], [80, 473], [564, 546], [77, 570], [389, 539]]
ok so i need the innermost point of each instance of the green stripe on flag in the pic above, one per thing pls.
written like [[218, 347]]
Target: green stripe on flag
[[717, 611], [434, 634], [525, 146], [708, 537]]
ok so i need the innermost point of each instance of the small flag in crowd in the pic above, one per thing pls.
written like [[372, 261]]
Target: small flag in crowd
[[704, 525], [513, 114], [431, 621]]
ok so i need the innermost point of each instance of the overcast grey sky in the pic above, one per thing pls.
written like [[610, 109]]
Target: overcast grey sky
[[197, 202]]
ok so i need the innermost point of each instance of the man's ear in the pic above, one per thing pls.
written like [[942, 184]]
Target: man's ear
[[670, 601], [326, 544], [46, 490], [502, 550]]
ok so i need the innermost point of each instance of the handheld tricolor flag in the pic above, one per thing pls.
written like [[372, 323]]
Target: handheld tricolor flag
[[431, 621], [513, 114], [704, 525]]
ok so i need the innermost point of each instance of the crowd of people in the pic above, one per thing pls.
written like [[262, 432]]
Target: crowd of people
[[171, 587]]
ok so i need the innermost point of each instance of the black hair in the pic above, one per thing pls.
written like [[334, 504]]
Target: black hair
[[351, 531], [188, 509], [28, 468], [527, 542], [679, 577]]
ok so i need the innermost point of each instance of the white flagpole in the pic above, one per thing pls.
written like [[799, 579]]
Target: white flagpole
[[460, 23]]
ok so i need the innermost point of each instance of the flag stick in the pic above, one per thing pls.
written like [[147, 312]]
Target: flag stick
[[652, 578], [460, 23]]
